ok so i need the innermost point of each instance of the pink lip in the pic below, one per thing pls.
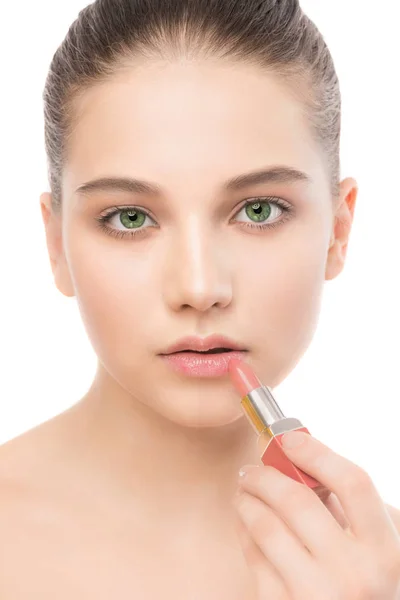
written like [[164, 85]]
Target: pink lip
[[197, 365], [182, 356], [193, 342]]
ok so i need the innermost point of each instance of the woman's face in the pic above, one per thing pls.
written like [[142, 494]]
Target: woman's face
[[199, 263]]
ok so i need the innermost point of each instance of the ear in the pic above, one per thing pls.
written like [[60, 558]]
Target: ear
[[343, 220], [53, 229]]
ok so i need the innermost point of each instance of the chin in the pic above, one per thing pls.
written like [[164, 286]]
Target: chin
[[198, 405]]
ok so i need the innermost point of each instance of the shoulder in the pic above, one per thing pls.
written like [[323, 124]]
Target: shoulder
[[27, 479], [14, 505], [15, 475], [27, 458], [24, 467], [26, 514]]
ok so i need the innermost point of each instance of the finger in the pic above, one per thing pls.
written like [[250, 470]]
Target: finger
[[335, 508], [266, 581], [280, 547], [301, 509], [361, 502], [394, 514]]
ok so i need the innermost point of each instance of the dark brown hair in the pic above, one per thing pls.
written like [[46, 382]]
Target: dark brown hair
[[110, 35]]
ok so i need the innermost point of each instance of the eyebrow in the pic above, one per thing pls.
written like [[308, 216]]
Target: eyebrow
[[278, 174]]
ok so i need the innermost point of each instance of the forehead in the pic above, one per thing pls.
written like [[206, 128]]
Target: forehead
[[188, 116]]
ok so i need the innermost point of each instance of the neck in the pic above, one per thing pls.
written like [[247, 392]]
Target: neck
[[136, 451]]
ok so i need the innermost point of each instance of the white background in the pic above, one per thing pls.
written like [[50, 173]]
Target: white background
[[345, 389]]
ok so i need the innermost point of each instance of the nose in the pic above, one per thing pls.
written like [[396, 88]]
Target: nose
[[197, 272]]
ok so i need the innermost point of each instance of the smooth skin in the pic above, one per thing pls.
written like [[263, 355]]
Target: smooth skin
[[148, 461], [299, 550]]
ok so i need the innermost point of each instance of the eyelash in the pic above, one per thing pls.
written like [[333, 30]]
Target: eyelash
[[103, 219]]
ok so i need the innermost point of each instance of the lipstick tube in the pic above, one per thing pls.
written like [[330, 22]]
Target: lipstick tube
[[270, 424]]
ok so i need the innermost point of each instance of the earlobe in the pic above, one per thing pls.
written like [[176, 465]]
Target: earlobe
[[335, 261], [55, 249], [62, 279], [342, 227]]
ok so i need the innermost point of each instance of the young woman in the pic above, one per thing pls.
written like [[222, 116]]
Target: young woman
[[195, 204]]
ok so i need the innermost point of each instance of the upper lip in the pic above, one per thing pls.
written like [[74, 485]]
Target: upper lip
[[195, 343]]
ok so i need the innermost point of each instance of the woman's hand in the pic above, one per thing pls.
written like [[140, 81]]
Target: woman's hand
[[303, 549]]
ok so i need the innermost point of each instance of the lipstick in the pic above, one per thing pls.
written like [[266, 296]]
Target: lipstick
[[270, 424]]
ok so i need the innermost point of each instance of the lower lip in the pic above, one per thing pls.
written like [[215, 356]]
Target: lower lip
[[201, 365]]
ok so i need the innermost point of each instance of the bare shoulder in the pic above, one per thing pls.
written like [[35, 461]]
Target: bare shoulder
[[17, 502], [29, 453], [27, 450], [33, 513], [20, 468], [26, 465]]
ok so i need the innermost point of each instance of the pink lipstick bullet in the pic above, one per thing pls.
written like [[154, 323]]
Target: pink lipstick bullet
[[270, 424]]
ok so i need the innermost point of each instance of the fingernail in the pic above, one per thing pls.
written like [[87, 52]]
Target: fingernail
[[245, 470], [292, 439]]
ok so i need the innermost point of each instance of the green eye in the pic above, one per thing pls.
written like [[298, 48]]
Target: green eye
[[264, 213], [136, 221], [258, 211], [132, 219]]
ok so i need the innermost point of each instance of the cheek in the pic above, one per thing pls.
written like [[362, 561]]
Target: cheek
[[282, 293], [116, 289]]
